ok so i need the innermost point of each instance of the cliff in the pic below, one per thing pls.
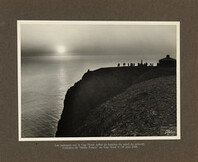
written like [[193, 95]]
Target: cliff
[[145, 109], [97, 87]]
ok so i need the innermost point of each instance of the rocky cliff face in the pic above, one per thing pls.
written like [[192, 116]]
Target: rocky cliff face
[[144, 109], [95, 88]]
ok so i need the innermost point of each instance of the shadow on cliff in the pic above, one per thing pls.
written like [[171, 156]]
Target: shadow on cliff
[[95, 88], [144, 109]]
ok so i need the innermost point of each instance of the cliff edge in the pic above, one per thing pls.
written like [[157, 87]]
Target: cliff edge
[[84, 99]]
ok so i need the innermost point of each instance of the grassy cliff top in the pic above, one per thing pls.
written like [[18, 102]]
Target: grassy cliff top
[[144, 109]]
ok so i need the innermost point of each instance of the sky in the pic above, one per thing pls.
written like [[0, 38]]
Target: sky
[[97, 39]]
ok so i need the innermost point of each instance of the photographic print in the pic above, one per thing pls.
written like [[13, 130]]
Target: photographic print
[[98, 80]]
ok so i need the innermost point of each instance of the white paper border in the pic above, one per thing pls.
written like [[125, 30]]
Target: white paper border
[[176, 23]]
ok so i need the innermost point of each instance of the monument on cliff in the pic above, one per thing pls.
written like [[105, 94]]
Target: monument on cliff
[[167, 62]]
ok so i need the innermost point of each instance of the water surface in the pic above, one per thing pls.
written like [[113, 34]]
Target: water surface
[[45, 81]]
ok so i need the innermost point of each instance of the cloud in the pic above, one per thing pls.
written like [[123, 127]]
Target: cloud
[[78, 39]]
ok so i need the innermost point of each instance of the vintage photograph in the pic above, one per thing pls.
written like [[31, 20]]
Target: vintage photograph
[[98, 80]]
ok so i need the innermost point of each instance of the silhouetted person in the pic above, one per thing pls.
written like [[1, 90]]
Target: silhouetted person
[[123, 64], [118, 64]]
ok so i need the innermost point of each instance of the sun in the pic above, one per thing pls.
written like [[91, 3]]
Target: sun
[[61, 49]]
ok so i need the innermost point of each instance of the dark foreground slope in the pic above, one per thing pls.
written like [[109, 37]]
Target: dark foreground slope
[[95, 88], [145, 109]]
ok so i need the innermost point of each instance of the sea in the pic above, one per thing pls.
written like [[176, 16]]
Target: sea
[[44, 83]]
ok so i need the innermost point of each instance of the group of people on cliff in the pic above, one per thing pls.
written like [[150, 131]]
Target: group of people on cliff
[[133, 64]]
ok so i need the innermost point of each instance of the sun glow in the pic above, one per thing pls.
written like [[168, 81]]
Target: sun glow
[[61, 49]]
